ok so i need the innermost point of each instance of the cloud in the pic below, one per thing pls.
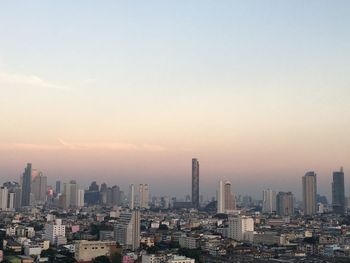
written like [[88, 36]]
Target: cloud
[[28, 80], [63, 145]]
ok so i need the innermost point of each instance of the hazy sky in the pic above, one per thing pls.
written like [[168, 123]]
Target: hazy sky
[[129, 91]]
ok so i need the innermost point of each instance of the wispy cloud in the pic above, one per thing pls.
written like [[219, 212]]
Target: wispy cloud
[[31, 80], [63, 145]]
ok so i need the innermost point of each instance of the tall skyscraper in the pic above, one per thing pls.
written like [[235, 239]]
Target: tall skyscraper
[[195, 183], [131, 196], [144, 196], [221, 198], [309, 183], [269, 201], [80, 202], [127, 230], [3, 198], [116, 195], [285, 204], [338, 192], [26, 185], [70, 192], [58, 187], [39, 188], [225, 198]]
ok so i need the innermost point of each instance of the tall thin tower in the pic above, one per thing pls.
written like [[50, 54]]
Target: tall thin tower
[[26, 185], [338, 192], [309, 193], [221, 198], [195, 183], [131, 196]]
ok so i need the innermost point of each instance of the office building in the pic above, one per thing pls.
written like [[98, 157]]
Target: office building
[[269, 201], [26, 185], [338, 192], [127, 230], [225, 201], [56, 233], [144, 196], [58, 187], [39, 188], [3, 198], [131, 196], [116, 195], [81, 194], [309, 193], [241, 228], [195, 183], [285, 204]]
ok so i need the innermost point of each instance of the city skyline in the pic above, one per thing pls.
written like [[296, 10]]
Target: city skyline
[[257, 92], [219, 189]]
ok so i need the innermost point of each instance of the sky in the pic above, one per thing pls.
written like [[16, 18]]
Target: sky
[[129, 91]]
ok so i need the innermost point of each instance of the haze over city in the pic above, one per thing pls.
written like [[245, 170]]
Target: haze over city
[[130, 92]]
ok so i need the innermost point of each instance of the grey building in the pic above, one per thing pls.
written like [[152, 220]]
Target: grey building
[[338, 192], [26, 185], [285, 204], [195, 183]]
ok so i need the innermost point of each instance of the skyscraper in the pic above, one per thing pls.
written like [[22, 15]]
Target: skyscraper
[[39, 187], [285, 204], [26, 185], [221, 198], [127, 230], [226, 200], [269, 201], [3, 198], [58, 187], [309, 193], [338, 192], [131, 196], [195, 183], [144, 196]]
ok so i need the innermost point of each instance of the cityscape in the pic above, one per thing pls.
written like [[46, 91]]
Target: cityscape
[[67, 223], [174, 131]]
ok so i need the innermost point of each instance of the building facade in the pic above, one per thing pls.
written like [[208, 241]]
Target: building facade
[[269, 201], [127, 230], [195, 183], [338, 192], [309, 183]]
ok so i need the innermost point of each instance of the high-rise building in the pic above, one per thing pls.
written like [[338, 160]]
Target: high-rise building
[[3, 198], [241, 228], [195, 183], [309, 193], [285, 204], [56, 233], [225, 198], [116, 195], [131, 196], [80, 202], [70, 192], [39, 188], [221, 198], [338, 192], [144, 195], [58, 187], [127, 230], [26, 185], [269, 201]]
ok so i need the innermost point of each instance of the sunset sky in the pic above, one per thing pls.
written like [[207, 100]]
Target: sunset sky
[[129, 91]]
